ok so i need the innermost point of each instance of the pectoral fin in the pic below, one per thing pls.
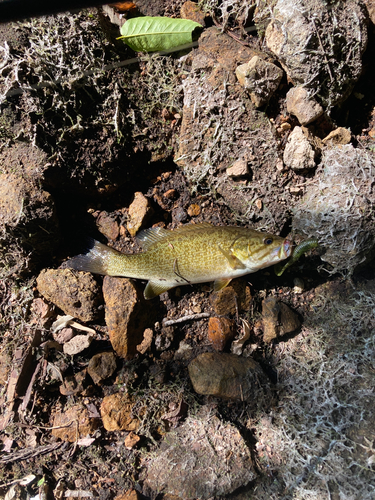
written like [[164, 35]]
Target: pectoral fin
[[154, 289], [221, 283], [233, 261]]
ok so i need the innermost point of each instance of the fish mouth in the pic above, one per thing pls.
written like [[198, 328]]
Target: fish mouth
[[285, 249]]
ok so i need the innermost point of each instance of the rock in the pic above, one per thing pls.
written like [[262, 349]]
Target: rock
[[73, 424], [139, 212], [300, 104], [278, 319], [240, 168], [116, 412], [108, 226], [210, 459], [260, 78], [340, 135], [337, 208], [128, 495], [28, 220], [73, 384], [190, 10], [209, 140], [235, 296], [146, 343], [370, 4], [127, 315], [319, 44], [77, 344], [171, 194], [220, 332], [226, 376], [77, 294], [194, 210], [42, 310], [101, 367], [131, 440], [299, 154], [64, 335], [184, 351]]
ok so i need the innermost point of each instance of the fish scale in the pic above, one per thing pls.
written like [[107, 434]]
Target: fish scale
[[195, 253]]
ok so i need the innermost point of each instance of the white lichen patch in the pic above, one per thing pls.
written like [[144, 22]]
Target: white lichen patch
[[337, 209], [318, 443]]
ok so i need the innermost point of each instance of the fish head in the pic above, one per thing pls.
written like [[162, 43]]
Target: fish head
[[261, 250]]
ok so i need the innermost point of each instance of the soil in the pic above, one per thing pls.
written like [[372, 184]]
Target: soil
[[73, 155]]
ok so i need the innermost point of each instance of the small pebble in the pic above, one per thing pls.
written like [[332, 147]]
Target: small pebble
[[194, 210], [299, 285]]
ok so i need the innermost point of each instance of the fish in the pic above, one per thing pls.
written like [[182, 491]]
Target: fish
[[193, 253]]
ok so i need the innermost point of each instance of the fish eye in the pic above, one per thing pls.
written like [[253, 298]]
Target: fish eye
[[267, 241]]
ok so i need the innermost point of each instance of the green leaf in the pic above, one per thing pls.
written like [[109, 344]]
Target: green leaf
[[150, 34]]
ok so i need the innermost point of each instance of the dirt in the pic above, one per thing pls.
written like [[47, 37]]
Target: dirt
[[93, 155]]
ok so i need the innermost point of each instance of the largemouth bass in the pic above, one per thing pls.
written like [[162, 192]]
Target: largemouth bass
[[195, 253]]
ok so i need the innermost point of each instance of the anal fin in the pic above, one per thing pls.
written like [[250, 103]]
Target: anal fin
[[221, 283], [153, 289]]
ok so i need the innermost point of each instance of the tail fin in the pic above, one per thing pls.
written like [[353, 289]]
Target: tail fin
[[96, 260]]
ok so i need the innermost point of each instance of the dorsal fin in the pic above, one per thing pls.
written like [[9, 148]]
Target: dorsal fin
[[149, 237], [189, 228]]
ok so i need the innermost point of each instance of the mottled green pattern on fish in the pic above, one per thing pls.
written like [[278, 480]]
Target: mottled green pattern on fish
[[195, 253]]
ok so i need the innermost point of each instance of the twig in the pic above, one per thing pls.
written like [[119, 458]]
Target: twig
[[190, 317], [30, 453]]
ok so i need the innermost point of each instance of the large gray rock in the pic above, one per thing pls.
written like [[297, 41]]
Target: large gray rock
[[202, 459], [320, 44]]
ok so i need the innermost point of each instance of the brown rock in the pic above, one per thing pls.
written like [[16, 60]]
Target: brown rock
[[228, 300], [278, 319], [108, 226], [240, 168], [116, 413], [131, 440], [301, 105], [73, 384], [139, 212], [101, 366], [220, 332], [340, 135], [76, 294], [127, 315], [226, 376], [64, 335], [129, 495], [146, 343], [190, 10], [261, 78], [194, 210], [171, 194], [74, 423]]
